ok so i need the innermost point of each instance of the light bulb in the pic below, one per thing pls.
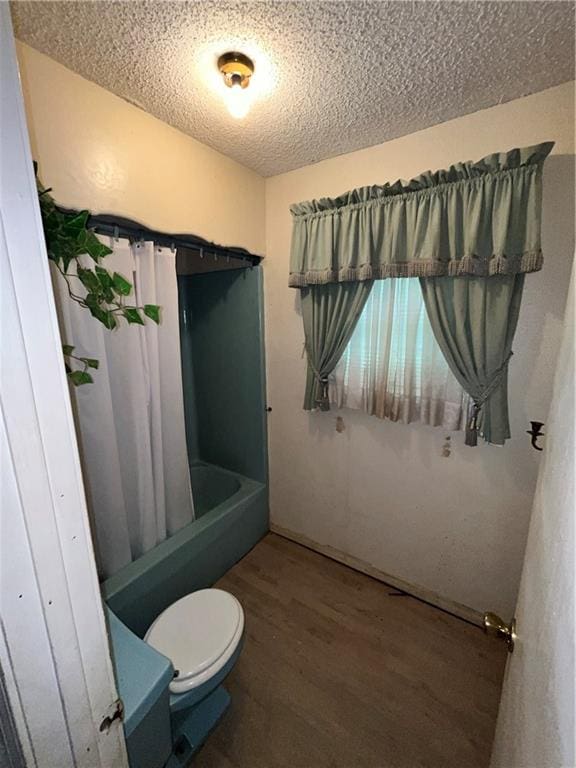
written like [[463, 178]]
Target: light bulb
[[237, 101]]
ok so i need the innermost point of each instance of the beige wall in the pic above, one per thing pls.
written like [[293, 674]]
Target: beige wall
[[537, 709], [98, 152], [382, 492]]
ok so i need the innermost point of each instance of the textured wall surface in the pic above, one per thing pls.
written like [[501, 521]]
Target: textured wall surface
[[380, 491], [100, 153], [331, 77], [536, 719]]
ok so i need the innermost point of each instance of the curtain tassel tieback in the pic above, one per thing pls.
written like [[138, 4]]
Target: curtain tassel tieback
[[478, 402], [472, 425], [323, 401]]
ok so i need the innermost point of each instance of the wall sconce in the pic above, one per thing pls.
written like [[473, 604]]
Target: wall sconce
[[236, 69]]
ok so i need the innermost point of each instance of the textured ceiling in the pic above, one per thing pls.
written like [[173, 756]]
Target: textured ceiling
[[331, 77]]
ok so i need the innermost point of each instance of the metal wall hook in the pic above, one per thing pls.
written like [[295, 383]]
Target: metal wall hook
[[535, 433]]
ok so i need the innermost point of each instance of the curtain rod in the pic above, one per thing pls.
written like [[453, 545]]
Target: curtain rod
[[118, 226]]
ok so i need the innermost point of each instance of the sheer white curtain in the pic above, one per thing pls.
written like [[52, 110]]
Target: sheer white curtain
[[393, 367], [131, 419]]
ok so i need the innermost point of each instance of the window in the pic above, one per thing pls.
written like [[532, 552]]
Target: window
[[393, 367]]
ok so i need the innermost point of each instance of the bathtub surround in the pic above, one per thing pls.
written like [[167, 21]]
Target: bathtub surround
[[222, 332], [222, 373], [131, 419], [222, 363]]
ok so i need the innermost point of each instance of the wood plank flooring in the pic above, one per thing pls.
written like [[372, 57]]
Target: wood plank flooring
[[336, 672]]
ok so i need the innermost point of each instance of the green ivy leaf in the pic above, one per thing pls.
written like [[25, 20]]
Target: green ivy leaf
[[75, 223], [104, 277], [121, 285], [81, 242], [153, 312], [132, 315], [80, 377], [89, 280], [91, 362], [106, 318], [94, 248], [67, 349], [110, 321], [92, 300], [64, 249]]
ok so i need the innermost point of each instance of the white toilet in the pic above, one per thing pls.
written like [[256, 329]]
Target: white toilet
[[201, 634]]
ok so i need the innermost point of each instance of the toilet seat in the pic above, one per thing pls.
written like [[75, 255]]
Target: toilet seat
[[198, 633]]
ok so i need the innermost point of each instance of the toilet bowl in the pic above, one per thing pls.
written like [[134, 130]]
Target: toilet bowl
[[200, 634]]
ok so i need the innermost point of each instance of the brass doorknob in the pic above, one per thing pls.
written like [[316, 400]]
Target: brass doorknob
[[494, 625]]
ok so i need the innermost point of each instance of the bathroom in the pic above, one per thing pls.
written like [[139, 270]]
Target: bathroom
[[262, 583]]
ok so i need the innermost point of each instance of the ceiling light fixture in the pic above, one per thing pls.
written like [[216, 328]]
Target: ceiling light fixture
[[236, 69]]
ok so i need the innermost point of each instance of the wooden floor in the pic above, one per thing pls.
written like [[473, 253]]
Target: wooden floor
[[337, 672]]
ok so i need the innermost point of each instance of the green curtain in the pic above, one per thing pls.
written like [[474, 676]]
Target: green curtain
[[474, 320], [470, 233], [475, 218], [330, 313]]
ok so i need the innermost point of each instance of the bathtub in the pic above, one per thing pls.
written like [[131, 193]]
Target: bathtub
[[231, 517], [212, 486]]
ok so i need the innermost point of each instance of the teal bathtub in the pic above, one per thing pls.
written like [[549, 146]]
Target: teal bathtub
[[231, 517]]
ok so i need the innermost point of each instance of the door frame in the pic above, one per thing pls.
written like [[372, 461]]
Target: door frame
[[54, 650]]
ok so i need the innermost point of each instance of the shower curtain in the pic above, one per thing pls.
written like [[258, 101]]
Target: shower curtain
[[130, 421]]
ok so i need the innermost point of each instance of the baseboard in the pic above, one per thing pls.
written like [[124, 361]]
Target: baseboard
[[421, 593]]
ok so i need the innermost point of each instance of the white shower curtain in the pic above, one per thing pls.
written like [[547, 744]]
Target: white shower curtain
[[131, 419]]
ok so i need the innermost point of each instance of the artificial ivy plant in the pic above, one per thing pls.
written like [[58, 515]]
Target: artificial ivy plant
[[104, 294]]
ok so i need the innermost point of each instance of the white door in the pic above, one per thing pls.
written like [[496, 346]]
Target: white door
[[56, 669], [536, 720]]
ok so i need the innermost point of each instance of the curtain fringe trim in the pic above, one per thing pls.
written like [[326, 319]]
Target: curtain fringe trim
[[530, 261]]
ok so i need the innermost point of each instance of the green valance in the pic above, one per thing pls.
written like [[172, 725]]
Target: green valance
[[478, 218]]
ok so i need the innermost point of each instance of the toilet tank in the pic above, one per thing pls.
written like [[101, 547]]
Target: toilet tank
[[143, 676]]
